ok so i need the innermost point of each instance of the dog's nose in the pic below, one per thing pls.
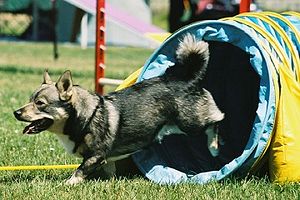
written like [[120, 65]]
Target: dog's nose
[[17, 113]]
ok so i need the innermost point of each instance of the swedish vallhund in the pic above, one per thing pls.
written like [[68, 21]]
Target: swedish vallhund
[[103, 129]]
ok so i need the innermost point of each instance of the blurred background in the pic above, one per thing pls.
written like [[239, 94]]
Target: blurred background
[[74, 20], [60, 34]]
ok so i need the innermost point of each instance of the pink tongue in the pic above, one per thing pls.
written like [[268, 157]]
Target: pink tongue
[[29, 129], [38, 126]]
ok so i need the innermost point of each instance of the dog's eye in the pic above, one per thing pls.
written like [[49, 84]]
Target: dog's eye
[[39, 103]]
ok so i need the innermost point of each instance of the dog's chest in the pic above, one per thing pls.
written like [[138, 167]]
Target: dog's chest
[[68, 144]]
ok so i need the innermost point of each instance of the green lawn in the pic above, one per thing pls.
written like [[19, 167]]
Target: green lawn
[[21, 67]]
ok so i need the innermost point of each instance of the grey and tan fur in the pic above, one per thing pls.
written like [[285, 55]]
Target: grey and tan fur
[[103, 129]]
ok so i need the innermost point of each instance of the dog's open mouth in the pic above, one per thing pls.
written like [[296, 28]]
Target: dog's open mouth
[[38, 126]]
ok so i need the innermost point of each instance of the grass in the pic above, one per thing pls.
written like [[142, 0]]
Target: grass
[[140, 189], [21, 66]]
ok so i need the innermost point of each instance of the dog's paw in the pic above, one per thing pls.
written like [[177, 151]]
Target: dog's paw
[[213, 148], [74, 180], [214, 145], [213, 140]]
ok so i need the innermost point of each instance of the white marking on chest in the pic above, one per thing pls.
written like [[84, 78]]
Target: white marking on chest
[[66, 142]]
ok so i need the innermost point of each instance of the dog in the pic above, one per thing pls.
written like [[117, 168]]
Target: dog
[[103, 129]]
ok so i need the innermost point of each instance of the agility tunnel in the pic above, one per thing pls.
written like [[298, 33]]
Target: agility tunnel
[[253, 75]]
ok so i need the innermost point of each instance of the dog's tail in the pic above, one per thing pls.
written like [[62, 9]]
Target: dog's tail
[[193, 55]]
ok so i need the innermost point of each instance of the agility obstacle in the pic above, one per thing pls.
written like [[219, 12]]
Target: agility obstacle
[[253, 75], [100, 45], [38, 167]]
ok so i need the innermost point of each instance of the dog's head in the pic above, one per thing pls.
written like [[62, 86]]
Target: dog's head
[[47, 109]]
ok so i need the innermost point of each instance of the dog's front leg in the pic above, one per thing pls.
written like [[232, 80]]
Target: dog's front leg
[[87, 167]]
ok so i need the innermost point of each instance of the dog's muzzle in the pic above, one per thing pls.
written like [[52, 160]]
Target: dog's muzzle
[[35, 126]]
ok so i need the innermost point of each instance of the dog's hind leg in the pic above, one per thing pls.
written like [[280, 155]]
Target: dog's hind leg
[[168, 129], [213, 139]]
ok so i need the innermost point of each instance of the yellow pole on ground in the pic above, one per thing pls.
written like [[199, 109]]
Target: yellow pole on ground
[[37, 167]]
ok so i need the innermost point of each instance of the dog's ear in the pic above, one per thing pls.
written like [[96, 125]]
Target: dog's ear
[[65, 85], [47, 79]]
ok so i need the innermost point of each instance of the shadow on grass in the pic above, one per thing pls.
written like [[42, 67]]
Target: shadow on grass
[[29, 176], [55, 177]]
